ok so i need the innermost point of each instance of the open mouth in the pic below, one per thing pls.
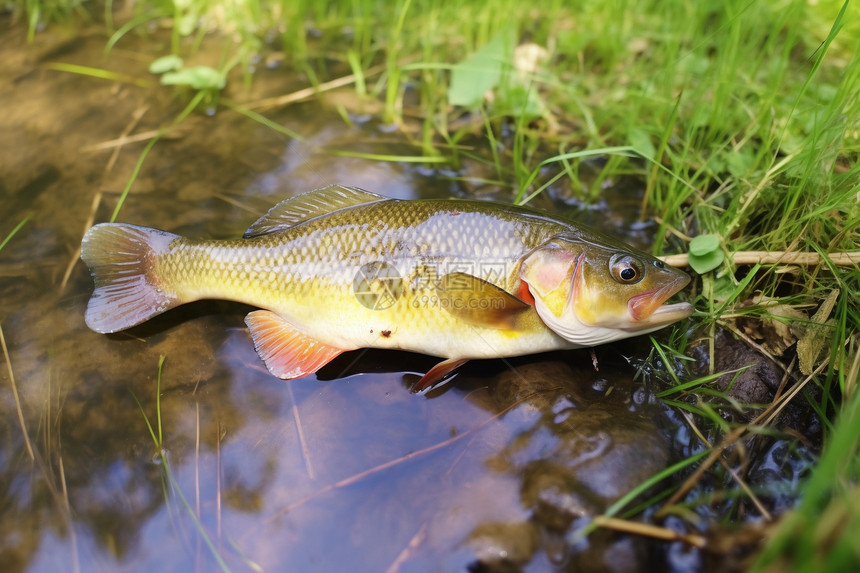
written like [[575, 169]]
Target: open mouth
[[647, 309]]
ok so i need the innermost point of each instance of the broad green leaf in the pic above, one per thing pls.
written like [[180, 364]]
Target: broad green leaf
[[707, 262], [187, 23], [198, 77], [479, 72], [704, 244], [163, 64], [739, 163], [641, 142]]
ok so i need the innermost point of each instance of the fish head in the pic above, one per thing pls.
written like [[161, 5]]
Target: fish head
[[590, 289]]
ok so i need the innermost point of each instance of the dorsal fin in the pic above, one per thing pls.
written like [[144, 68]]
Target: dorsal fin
[[308, 205]]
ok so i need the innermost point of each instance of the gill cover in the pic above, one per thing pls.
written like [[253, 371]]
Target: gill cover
[[592, 290]]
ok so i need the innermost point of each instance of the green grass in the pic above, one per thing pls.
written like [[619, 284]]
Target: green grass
[[821, 534], [169, 482], [740, 117]]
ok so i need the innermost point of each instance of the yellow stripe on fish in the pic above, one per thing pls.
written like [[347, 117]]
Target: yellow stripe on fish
[[340, 268]]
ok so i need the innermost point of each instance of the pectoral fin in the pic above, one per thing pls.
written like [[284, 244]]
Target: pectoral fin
[[287, 352], [437, 373], [477, 301]]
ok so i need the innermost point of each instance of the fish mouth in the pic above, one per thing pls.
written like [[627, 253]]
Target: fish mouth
[[648, 309]]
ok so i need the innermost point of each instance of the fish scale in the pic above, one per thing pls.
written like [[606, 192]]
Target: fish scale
[[305, 284], [340, 268]]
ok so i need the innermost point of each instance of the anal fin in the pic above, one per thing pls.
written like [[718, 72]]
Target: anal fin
[[437, 373], [287, 352]]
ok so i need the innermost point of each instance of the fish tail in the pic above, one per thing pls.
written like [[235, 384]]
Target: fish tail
[[122, 260]]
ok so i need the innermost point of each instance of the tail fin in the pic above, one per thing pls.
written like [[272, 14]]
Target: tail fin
[[121, 259]]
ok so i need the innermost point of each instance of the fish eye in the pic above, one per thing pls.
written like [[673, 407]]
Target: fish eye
[[625, 269]]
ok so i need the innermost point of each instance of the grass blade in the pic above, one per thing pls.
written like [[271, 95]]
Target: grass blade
[[13, 232], [97, 73]]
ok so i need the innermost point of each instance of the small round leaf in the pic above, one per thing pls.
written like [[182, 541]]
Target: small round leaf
[[704, 244], [707, 262], [169, 63]]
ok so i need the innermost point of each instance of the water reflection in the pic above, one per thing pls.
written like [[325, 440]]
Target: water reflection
[[452, 479], [346, 472]]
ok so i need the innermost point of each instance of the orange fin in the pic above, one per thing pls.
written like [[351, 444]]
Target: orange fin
[[477, 301], [287, 352], [524, 294], [437, 373], [120, 258]]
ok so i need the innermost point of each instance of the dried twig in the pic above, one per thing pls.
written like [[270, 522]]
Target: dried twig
[[167, 132], [648, 530], [776, 258]]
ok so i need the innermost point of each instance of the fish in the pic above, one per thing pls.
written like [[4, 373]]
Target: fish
[[340, 268]]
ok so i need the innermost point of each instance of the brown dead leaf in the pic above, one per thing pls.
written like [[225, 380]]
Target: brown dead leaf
[[817, 335], [774, 331]]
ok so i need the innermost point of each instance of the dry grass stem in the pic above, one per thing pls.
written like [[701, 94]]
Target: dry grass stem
[[198, 549], [97, 199], [218, 485], [752, 343], [73, 539], [169, 132], [410, 548], [771, 413], [776, 258], [15, 396], [197, 459], [649, 530], [765, 417], [297, 96], [738, 479], [135, 119], [410, 456], [136, 116], [236, 203], [306, 452]]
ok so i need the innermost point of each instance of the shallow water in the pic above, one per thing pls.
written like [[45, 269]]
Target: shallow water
[[342, 471]]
